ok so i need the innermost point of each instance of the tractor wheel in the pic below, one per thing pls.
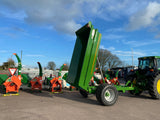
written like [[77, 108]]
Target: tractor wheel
[[154, 87], [106, 94], [83, 93]]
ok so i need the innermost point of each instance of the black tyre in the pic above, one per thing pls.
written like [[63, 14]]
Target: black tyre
[[106, 94], [154, 87], [83, 93]]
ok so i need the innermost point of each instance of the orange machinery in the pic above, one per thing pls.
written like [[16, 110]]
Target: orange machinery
[[36, 82], [56, 82], [114, 78], [13, 83]]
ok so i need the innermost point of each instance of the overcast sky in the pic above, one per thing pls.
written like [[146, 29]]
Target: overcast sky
[[45, 29]]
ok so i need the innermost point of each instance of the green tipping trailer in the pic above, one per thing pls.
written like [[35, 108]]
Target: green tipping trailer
[[83, 64]]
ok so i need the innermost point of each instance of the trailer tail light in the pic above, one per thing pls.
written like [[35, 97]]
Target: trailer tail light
[[87, 25], [151, 70], [131, 70]]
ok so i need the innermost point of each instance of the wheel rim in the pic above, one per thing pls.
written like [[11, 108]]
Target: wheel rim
[[158, 86], [109, 95]]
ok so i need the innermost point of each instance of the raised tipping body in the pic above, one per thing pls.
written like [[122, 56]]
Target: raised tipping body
[[84, 57]]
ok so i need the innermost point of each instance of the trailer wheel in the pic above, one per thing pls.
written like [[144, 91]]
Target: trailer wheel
[[154, 87], [83, 93], [106, 94]]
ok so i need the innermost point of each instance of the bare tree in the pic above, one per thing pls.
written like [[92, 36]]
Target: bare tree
[[11, 62], [107, 60], [124, 64], [114, 61], [51, 65], [8, 64]]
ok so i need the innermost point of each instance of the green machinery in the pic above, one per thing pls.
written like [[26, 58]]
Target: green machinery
[[60, 70], [82, 68], [146, 77], [83, 63]]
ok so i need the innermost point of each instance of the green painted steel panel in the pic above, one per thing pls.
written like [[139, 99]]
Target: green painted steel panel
[[84, 56], [3, 78], [25, 78]]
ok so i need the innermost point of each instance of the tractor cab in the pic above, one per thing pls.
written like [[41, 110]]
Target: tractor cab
[[149, 63]]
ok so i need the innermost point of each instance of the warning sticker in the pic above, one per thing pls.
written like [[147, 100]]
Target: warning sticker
[[12, 70]]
